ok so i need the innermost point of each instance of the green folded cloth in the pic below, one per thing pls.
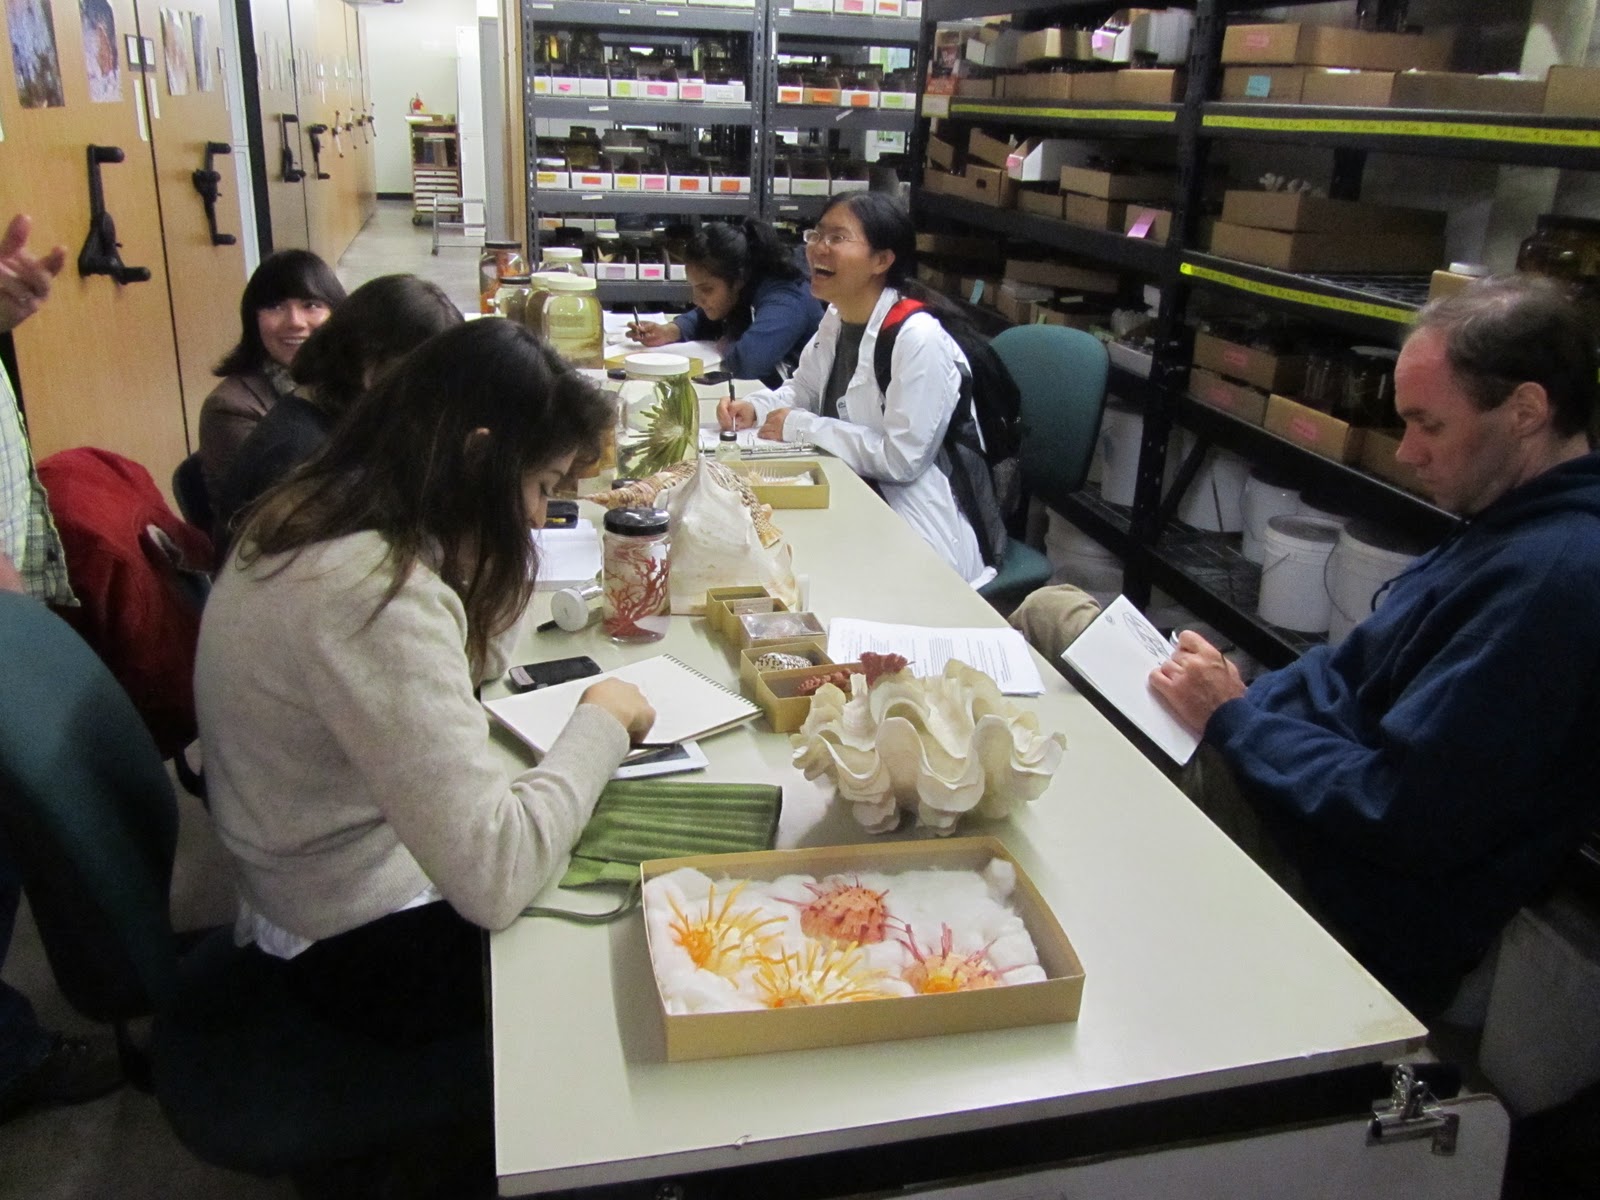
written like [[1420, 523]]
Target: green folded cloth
[[641, 819]]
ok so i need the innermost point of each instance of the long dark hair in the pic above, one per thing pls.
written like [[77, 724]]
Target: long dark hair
[[383, 320], [286, 275], [887, 224], [742, 254], [409, 462]]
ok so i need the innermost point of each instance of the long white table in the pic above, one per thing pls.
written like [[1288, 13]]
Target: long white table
[[1200, 973]]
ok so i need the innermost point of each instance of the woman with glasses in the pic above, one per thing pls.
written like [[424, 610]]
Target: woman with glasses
[[750, 297], [863, 259]]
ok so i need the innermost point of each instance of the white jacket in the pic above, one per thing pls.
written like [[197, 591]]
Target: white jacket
[[890, 439]]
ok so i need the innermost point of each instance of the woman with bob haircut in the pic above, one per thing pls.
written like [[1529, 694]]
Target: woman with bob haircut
[[750, 297], [290, 294], [863, 255], [382, 321], [351, 774]]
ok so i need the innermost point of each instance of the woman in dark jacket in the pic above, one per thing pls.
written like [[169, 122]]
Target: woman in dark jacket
[[751, 297]]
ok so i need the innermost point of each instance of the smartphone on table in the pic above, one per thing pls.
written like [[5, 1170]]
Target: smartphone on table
[[531, 676]]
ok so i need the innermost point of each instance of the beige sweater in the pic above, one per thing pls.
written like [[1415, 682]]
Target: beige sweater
[[348, 763]]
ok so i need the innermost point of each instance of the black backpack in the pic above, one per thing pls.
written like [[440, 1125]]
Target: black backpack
[[979, 455]]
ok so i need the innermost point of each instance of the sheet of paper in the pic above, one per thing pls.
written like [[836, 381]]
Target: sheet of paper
[[1115, 655], [750, 446], [567, 556], [1001, 654]]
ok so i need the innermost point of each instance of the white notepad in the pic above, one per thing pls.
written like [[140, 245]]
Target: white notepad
[[687, 703]]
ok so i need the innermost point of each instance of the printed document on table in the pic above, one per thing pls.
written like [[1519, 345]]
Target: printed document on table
[[567, 556], [1115, 656], [1001, 654]]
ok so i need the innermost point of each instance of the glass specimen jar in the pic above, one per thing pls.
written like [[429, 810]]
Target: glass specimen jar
[[570, 319], [637, 567], [658, 414], [498, 260]]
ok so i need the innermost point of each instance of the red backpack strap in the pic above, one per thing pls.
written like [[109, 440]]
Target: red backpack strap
[[887, 332]]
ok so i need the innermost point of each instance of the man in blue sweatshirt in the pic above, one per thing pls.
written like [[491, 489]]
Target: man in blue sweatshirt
[[1418, 784]]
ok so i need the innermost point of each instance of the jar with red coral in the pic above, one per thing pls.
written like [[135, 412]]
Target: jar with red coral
[[637, 562]]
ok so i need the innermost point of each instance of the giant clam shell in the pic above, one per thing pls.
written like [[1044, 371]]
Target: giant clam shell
[[937, 747]]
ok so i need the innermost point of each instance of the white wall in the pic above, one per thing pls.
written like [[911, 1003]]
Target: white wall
[[411, 49]]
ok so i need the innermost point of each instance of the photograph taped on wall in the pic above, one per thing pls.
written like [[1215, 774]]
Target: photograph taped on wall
[[204, 79], [100, 58], [175, 47], [35, 64]]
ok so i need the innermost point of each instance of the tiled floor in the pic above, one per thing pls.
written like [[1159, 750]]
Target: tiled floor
[[120, 1146]]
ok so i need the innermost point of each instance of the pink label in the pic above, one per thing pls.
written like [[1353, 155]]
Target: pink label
[[1257, 39], [566, 89], [657, 89], [1014, 162], [1147, 218], [1305, 429], [1235, 356], [1219, 396]]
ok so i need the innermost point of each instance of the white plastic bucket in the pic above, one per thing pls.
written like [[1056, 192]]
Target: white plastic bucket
[[1121, 432], [1295, 559], [1262, 500], [1364, 559], [1213, 501], [1311, 509]]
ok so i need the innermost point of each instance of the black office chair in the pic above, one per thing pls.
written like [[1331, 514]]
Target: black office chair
[[189, 490], [247, 1076]]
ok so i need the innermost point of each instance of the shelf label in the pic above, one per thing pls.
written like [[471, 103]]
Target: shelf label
[[968, 108], [588, 196], [1359, 308], [1525, 135], [668, 12], [599, 108]]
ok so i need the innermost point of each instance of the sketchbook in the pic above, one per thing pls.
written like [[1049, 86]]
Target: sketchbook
[[1115, 656], [687, 703]]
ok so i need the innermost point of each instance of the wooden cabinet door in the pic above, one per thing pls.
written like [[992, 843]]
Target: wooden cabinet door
[[190, 110], [275, 84], [363, 147], [98, 364]]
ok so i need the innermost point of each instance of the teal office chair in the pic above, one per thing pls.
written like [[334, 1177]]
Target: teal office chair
[[1061, 374], [248, 1078]]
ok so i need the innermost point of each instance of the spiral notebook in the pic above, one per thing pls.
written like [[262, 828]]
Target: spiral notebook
[[687, 703]]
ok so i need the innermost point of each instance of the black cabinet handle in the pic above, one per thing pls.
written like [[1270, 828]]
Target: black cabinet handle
[[99, 255], [206, 181], [291, 173], [316, 132]]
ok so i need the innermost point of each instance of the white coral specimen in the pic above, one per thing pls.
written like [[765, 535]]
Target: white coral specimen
[[939, 747]]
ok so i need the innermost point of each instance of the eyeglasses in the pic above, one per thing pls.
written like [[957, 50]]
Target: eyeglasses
[[832, 238]]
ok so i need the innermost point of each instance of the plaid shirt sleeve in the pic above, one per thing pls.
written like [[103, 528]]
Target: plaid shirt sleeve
[[27, 534]]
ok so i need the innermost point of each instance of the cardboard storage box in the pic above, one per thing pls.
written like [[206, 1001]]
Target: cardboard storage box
[[1120, 185], [1152, 224], [778, 692], [1049, 85], [1334, 46], [766, 628], [717, 614], [1423, 89], [1095, 86], [1318, 214], [1041, 203], [1275, 85], [985, 185], [1014, 301], [1139, 85], [955, 245], [1048, 273], [988, 149], [977, 89], [1057, 998], [1572, 92], [941, 153], [1377, 458], [1039, 160], [1448, 283], [1301, 251], [979, 289], [1093, 211], [1211, 389], [815, 649], [787, 495], [1055, 43], [1274, 372], [1315, 431]]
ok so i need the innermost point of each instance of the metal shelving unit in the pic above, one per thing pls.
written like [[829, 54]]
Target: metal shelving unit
[[846, 120], [1113, 249], [1086, 118], [655, 17], [642, 112], [843, 27], [630, 291], [1374, 306], [616, 203]]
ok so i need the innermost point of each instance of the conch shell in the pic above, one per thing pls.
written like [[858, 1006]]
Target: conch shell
[[938, 746]]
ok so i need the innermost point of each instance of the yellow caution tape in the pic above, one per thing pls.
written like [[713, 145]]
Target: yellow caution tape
[[1360, 308], [1527, 135], [965, 108]]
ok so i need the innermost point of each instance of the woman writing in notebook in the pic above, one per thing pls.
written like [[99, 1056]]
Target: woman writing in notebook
[[863, 259], [750, 298], [348, 760]]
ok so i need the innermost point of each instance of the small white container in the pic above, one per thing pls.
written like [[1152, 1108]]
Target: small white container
[[1214, 500], [1365, 558], [1294, 589], [1263, 499]]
